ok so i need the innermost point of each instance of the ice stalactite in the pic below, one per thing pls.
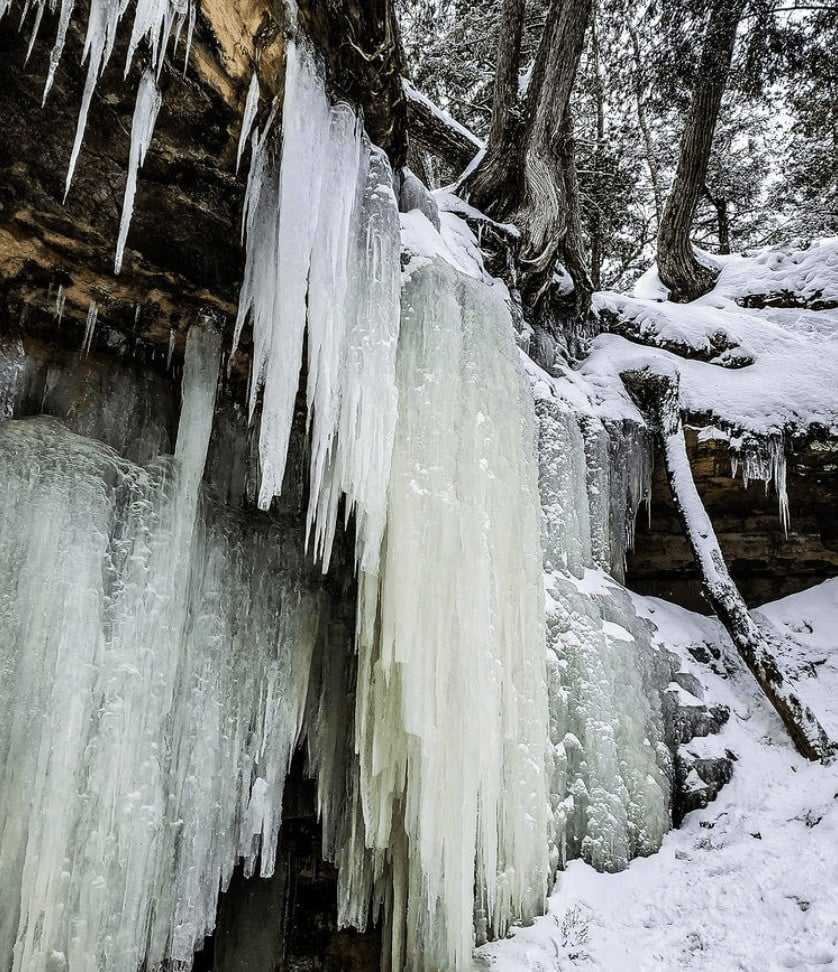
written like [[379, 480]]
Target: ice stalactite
[[168, 641], [142, 127], [451, 707], [610, 768], [322, 270], [764, 460], [251, 106]]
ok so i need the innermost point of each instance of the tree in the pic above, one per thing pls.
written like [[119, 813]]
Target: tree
[[527, 174], [679, 268]]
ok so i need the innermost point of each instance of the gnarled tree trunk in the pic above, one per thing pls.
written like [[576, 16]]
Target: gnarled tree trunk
[[522, 177]]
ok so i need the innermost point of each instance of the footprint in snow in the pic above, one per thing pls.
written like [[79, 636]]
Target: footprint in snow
[[817, 958]]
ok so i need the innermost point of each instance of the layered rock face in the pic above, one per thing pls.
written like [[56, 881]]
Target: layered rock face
[[766, 562]]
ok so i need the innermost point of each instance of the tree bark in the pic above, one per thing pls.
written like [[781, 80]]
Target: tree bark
[[656, 395], [493, 183], [522, 179], [648, 141], [573, 245], [678, 266]]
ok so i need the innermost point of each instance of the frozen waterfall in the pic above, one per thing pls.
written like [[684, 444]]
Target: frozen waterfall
[[172, 674], [163, 651], [611, 770]]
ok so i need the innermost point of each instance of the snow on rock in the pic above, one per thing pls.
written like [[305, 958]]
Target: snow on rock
[[764, 370], [757, 374], [748, 884]]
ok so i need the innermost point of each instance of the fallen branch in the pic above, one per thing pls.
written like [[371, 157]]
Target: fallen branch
[[437, 132], [656, 394]]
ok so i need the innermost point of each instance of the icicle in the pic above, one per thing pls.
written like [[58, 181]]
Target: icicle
[[171, 350], [154, 20], [142, 127], [92, 315], [60, 300], [67, 7], [763, 460], [323, 257], [250, 107]]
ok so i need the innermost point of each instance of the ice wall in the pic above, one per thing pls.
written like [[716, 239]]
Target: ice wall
[[154, 650], [611, 771], [451, 711]]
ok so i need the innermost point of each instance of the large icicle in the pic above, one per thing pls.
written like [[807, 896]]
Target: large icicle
[[142, 127], [451, 705], [321, 227]]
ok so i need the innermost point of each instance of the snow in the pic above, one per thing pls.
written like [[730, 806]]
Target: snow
[[749, 884], [770, 371], [413, 94]]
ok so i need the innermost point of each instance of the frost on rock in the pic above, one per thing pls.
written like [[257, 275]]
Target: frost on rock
[[322, 269], [173, 674], [451, 707], [609, 785]]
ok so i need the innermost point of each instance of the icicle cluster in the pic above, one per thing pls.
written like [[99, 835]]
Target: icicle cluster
[[156, 22], [619, 463], [609, 782], [322, 267], [155, 662], [451, 705], [763, 460]]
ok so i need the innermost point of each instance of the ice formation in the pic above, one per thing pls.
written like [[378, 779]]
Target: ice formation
[[174, 675], [142, 127], [322, 267], [179, 637], [610, 767], [764, 460], [451, 689]]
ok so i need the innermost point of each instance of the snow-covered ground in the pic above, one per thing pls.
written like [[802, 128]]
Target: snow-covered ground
[[749, 883]]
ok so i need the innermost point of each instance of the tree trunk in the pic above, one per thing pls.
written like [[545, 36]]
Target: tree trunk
[[679, 269], [657, 396], [648, 141], [523, 179], [595, 225], [493, 185], [573, 246]]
